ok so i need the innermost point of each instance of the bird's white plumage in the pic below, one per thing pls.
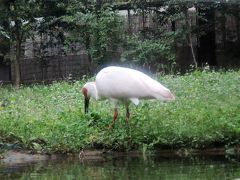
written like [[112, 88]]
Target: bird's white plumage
[[128, 84]]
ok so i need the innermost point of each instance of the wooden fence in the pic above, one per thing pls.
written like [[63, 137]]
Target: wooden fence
[[55, 68], [225, 40]]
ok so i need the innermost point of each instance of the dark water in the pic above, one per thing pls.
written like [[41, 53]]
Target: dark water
[[126, 168]]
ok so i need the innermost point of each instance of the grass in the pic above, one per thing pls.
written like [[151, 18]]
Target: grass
[[206, 113]]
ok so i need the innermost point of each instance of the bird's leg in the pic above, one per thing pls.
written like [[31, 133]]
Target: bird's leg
[[114, 118], [127, 113]]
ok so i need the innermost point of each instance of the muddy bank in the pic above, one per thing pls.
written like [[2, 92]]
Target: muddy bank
[[16, 157], [9, 157]]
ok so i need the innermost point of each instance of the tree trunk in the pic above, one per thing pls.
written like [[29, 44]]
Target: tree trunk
[[237, 17], [143, 24], [129, 22], [17, 65], [223, 26], [207, 41], [189, 36], [18, 42], [87, 45]]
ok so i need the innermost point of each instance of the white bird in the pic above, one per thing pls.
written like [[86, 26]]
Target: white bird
[[125, 85]]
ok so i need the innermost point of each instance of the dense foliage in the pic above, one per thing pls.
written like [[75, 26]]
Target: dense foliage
[[20, 20], [51, 118], [96, 27]]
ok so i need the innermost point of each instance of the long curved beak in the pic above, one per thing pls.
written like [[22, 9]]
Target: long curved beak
[[86, 105]]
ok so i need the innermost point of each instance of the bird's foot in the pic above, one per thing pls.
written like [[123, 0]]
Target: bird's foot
[[110, 127]]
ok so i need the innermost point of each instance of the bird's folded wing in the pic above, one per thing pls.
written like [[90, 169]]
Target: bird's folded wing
[[134, 101]]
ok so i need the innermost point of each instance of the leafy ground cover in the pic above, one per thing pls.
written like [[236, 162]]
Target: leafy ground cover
[[206, 113]]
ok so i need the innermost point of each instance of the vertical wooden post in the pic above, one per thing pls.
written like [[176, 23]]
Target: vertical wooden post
[[189, 35], [129, 22]]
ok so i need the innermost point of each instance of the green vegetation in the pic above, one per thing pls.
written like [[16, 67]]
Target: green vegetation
[[51, 118]]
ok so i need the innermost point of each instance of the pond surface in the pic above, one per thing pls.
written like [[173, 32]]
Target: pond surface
[[119, 166]]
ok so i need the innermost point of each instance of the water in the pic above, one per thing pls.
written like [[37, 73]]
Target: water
[[125, 167]]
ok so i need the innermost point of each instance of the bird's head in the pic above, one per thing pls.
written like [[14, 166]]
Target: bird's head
[[165, 95], [89, 90], [171, 97]]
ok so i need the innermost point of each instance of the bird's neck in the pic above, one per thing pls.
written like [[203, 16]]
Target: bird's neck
[[95, 93]]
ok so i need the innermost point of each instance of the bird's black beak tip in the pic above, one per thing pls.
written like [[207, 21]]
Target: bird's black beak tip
[[86, 105]]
